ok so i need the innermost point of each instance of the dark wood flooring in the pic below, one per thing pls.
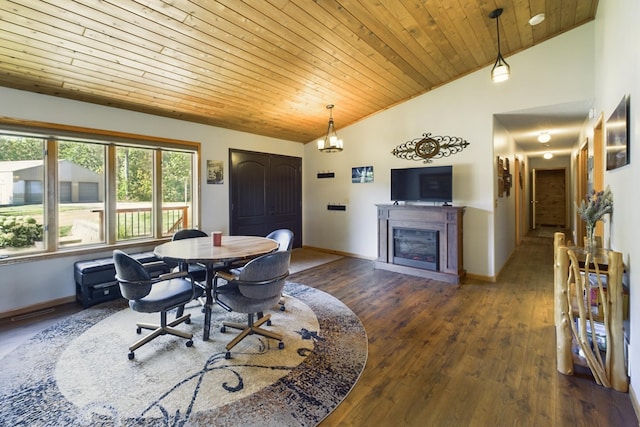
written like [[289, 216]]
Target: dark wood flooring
[[476, 354]]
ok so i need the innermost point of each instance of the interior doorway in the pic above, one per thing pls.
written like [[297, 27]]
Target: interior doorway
[[590, 175], [549, 198], [582, 184]]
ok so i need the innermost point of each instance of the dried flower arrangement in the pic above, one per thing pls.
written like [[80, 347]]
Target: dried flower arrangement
[[593, 207]]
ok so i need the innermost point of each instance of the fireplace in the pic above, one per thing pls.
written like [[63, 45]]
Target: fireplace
[[416, 248], [424, 241]]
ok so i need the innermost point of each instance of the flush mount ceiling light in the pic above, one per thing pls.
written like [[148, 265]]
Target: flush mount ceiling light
[[330, 143], [548, 155], [501, 70], [536, 19], [544, 137]]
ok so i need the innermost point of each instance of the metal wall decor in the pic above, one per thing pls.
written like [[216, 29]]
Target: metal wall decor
[[430, 147]]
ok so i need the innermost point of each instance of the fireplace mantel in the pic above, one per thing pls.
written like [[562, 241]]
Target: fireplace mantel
[[445, 220]]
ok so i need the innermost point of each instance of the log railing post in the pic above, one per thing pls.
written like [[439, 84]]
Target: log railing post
[[615, 335], [564, 358]]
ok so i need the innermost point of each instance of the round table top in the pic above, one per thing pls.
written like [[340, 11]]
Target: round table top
[[201, 249]]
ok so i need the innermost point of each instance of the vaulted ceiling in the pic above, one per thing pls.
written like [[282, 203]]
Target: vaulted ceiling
[[267, 67]]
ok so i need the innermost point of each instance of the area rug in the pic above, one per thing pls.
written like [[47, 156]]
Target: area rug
[[77, 371]]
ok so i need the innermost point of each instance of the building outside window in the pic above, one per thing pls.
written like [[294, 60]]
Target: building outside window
[[21, 195]]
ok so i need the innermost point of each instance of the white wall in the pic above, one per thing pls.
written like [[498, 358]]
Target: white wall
[[617, 70], [505, 147], [555, 72], [27, 284]]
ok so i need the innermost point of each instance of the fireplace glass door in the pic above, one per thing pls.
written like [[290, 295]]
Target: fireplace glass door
[[416, 248]]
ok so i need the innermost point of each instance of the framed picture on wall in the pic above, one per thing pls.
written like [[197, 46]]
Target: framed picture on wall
[[215, 172], [362, 174], [617, 131]]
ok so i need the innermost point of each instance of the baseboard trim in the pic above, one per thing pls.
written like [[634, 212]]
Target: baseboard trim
[[33, 309], [331, 251], [471, 276], [634, 402]]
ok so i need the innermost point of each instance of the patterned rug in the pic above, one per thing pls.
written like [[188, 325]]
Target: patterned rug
[[76, 373]]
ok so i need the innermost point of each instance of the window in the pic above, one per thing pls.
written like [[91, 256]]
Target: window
[[21, 192], [177, 194], [134, 183], [97, 201], [81, 178]]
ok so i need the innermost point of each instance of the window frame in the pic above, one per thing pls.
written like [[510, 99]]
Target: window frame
[[51, 133]]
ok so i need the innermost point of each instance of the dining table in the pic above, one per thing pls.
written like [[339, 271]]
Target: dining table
[[201, 250]]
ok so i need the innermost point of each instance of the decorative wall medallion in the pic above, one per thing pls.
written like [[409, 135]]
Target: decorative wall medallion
[[430, 147]]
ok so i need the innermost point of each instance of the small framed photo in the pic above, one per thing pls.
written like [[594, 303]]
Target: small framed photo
[[215, 172], [362, 174]]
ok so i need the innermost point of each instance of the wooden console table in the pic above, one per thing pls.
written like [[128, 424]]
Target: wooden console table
[[574, 318], [445, 221]]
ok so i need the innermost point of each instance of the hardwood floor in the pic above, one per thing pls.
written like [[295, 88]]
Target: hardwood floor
[[477, 354]]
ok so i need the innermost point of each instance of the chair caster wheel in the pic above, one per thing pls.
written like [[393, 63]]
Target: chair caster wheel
[[280, 345], [227, 355], [138, 331], [268, 322], [131, 355], [282, 308], [188, 321], [223, 329], [189, 343]]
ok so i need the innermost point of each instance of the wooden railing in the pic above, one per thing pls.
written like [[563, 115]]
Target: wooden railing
[[136, 222]]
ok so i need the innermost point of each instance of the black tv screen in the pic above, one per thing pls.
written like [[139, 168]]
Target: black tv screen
[[425, 184]]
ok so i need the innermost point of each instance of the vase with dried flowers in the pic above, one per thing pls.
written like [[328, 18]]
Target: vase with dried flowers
[[592, 208]]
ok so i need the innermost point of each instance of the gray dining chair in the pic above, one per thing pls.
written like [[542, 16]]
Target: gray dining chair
[[155, 295], [197, 271], [255, 288], [284, 237]]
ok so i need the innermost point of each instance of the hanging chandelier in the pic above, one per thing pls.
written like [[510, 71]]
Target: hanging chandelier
[[501, 70], [330, 143]]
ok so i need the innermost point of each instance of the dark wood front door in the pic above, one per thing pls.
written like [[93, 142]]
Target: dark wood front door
[[265, 194], [549, 198]]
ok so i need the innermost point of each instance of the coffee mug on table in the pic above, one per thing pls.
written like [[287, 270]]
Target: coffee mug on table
[[216, 236]]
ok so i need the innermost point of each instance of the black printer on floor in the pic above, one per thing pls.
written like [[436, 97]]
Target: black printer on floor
[[96, 282]]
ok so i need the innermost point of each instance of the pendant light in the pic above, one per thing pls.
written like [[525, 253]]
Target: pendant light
[[330, 143], [501, 70]]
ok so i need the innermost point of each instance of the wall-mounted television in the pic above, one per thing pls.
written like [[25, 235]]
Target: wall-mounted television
[[424, 184], [618, 137]]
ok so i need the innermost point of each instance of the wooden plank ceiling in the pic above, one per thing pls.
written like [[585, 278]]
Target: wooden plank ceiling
[[267, 67]]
